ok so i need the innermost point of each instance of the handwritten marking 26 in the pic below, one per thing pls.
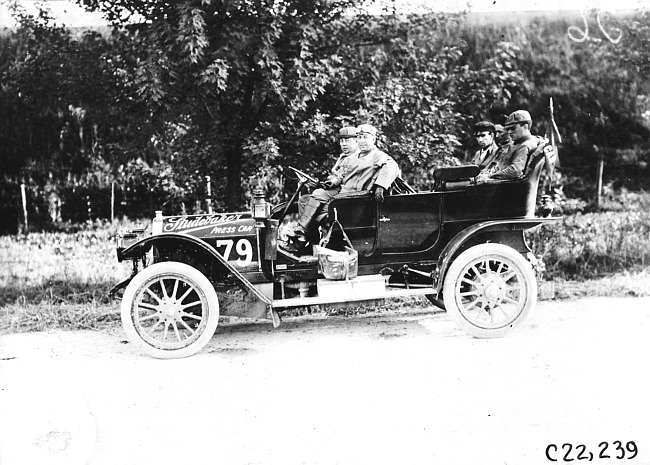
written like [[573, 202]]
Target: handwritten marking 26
[[578, 35]]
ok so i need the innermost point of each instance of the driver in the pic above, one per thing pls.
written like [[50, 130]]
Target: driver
[[361, 167]]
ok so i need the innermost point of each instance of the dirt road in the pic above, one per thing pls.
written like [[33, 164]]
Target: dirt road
[[393, 389]]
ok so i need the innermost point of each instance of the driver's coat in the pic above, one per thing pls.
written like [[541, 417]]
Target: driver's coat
[[360, 171]]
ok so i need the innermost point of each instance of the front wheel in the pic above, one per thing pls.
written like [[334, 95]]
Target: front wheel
[[489, 290], [170, 310]]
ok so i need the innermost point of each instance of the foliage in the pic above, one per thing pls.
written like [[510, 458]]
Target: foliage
[[598, 85], [235, 73], [240, 90], [585, 246], [405, 74], [52, 100]]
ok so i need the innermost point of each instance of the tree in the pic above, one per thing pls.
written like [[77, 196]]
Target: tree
[[407, 75], [230, 72], [48, 92]]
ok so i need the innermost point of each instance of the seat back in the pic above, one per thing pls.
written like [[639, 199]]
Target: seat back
[[454, 176], [532, 173]]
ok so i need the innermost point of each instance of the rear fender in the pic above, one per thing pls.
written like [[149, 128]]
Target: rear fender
[[509, 232], [138, 249]]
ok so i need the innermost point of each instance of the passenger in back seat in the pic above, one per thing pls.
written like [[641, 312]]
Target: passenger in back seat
[[512, 162], [484, 132]]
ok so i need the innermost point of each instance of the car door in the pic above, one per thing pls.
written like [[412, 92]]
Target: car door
[[358, 215], [408, 223]]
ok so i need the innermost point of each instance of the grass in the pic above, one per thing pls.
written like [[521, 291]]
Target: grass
[[20, 318], [34, 317], [60, 267]]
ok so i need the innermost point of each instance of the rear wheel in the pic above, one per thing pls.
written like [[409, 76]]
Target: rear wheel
[[489, 290], [170, 310]]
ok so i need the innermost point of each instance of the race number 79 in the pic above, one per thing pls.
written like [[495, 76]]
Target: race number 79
[[243, 250]]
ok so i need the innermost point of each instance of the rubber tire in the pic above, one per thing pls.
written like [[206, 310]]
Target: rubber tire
[[204, 290], [477, 254]]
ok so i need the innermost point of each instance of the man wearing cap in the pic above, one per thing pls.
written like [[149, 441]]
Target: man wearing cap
[[349, 147], [370, 169], [511, 162], [484, 132], [502, 138], [310, 206], [364, 169]]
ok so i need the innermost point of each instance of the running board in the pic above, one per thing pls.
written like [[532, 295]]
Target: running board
[[356, 297]]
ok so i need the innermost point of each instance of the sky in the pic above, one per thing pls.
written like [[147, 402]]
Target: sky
[[68, 13]]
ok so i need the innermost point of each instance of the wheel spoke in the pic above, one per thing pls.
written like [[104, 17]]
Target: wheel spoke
[[468, 293], [478, 274], [482, 315], [186, 294], [149, 317], [151, 293], [164, 336], [193, 304], [175, 288], [511, 300], [468, 281], [498, 308], [148, 306], [499, 268], [178, 335], [153, 328], [508, 276], [191, 315], [187, 327], [164, 289], [474, 303]]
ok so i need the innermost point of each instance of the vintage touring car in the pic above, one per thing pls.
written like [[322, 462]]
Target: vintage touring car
[[460, 244]]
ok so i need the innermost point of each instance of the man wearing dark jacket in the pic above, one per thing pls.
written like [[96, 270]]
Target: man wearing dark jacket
[[484, 133], [511, 163]]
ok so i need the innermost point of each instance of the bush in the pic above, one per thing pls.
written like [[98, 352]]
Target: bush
[[590, 245]]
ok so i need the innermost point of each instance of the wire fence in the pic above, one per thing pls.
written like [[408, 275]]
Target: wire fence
[[28, 207]]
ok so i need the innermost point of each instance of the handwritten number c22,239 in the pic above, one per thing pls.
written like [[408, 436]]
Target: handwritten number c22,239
[[568, 452]]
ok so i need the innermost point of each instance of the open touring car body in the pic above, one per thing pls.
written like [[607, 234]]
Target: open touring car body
[[461, 245]]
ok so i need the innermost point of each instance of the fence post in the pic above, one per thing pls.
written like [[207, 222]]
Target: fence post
[[24, 196], [599, 176], [209, 199], [112, 201]]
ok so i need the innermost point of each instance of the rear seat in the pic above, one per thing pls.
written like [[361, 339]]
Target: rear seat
[[454, 177]]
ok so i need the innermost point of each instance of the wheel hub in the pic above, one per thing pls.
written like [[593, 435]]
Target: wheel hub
[[493, 288], [168, 310]]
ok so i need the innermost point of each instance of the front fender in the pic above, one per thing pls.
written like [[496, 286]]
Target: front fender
[[141, 247], [456, 244]]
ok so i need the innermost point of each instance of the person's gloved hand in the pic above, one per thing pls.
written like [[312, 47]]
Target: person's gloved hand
[[379, 194], [330, 183]]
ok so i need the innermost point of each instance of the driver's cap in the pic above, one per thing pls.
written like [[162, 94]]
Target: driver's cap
[[347, 132], [367, 129]]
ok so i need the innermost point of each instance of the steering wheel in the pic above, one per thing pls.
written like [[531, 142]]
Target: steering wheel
[[304, 178]]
